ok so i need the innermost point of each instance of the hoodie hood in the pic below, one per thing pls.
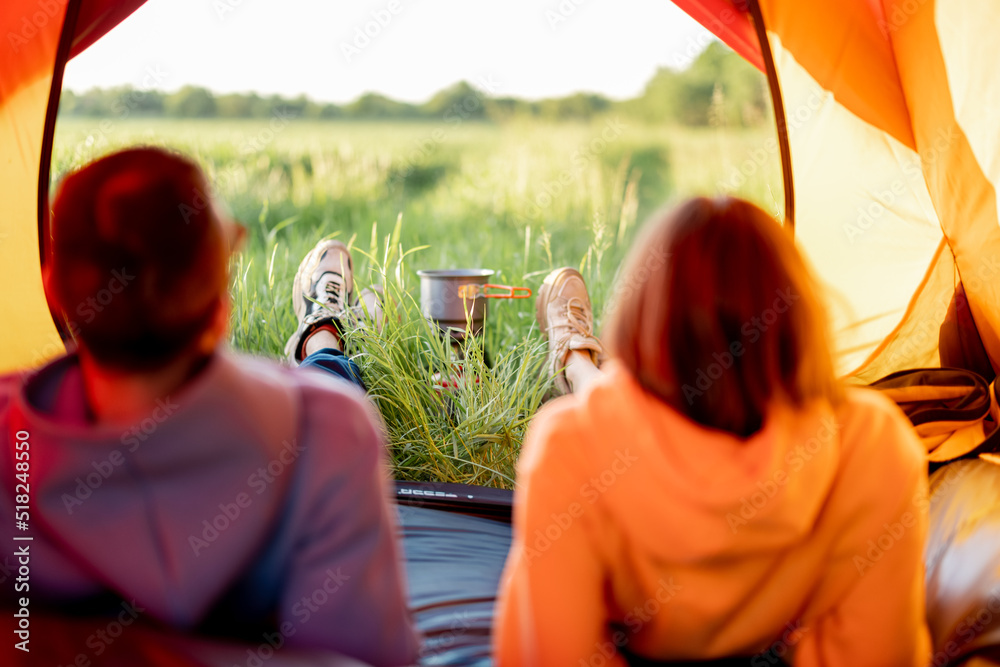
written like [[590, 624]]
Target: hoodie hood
[[716, 494], [159, 507], [636, 525]]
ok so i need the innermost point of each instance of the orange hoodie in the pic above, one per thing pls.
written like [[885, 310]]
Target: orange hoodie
[[634, 527]]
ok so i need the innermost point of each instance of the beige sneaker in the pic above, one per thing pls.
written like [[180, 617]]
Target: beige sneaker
[[322, 292], [567, 319]]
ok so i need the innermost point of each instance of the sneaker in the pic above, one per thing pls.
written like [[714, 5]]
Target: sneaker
[[567, 319], [322, 292]]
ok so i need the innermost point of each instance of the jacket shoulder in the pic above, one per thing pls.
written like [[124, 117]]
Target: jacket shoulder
[[865, 409], [876, 433]]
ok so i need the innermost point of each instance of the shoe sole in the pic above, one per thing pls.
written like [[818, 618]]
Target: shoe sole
[[298, 288], [542, 302]]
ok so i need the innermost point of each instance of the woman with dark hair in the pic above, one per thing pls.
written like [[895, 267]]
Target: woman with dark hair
[[714, 490]]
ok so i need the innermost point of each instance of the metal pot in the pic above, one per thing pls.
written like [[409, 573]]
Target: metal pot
[[455, 299]]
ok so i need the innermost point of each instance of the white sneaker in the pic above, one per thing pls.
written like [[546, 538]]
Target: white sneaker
[[566, 318], [322, 292]]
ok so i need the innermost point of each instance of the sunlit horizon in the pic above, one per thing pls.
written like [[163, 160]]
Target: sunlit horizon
[[407, 51]]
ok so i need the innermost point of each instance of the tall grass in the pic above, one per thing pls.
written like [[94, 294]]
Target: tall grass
[[521, 199], [452, 413]]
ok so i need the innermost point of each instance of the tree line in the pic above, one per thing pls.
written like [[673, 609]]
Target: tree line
[[718, 88]]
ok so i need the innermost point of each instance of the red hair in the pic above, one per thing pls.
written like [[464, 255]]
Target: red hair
[[137, 261], [719, 316]]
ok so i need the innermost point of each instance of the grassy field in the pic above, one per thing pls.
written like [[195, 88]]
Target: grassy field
[[519, 198]]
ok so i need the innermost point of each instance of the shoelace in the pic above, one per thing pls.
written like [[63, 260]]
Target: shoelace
[[576, 319], [334, 292], [577, 316]]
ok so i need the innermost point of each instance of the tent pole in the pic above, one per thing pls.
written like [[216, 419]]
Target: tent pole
[[48, 134], [779, 113]]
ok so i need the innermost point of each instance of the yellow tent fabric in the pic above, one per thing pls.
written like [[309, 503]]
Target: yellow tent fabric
[[876, 199], [865, 218], [27, 332], [952, 88]]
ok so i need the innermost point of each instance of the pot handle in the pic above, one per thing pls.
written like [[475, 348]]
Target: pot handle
[[471, 291]]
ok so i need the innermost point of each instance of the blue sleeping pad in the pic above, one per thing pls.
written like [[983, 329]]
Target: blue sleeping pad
[[453, 566]]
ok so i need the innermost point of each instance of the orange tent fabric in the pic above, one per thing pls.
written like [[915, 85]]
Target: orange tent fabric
[[39, 36], [892, 109], [32, 34]]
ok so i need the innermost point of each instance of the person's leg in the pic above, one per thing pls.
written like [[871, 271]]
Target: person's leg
[[325, 305], [335, 362], [322, 292], [566, 318], [581, 369]]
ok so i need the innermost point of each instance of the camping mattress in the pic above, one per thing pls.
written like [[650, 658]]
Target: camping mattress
[[453, 565]]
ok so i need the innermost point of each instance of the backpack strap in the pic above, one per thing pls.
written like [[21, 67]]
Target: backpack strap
[[953, 410]]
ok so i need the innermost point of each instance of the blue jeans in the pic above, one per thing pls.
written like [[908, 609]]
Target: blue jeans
[[335, 362]]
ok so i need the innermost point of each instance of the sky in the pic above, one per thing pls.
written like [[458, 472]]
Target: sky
[[335, 50]]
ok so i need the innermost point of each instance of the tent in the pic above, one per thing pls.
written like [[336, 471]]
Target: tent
[[888, 116], [889, 142]]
